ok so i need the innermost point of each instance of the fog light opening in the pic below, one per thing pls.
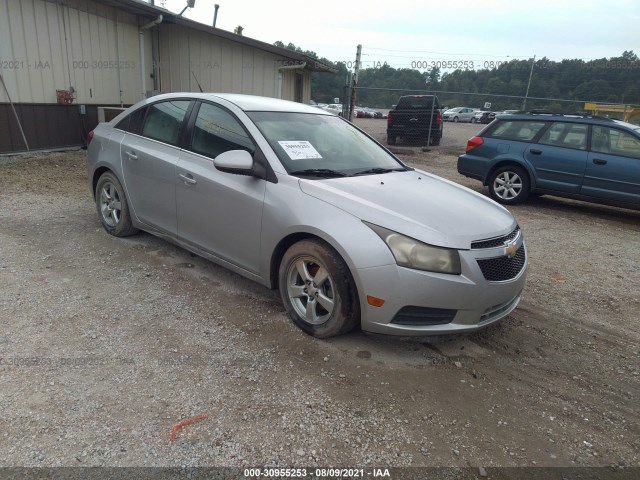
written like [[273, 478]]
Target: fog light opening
[[374, 301]]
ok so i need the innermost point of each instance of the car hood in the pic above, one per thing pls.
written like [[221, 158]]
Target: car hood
[[417, 204]]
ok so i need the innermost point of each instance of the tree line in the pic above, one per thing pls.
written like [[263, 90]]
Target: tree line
[[564, 85]]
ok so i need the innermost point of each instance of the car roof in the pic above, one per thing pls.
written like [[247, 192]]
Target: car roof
[[560, 117], [248, 103]]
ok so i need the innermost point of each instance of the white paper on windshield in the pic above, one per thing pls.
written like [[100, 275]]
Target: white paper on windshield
[[299, 149]]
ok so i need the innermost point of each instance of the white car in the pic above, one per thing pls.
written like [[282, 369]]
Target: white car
[[335, 108]]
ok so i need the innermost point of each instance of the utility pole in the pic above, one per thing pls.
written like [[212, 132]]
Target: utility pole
[[524, 102], [354, 82]]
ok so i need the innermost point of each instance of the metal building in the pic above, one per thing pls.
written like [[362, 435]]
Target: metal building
[[60, 60]]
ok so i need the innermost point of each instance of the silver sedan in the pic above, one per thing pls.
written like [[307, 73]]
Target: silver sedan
[[301, 200]]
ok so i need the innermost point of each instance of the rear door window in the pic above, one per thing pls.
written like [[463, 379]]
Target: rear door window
[[131, 123], [164, 121], [564, 134], [523, 131], [418, 102]]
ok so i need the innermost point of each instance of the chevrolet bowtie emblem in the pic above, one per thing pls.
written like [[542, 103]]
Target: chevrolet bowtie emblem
[[511, 250]]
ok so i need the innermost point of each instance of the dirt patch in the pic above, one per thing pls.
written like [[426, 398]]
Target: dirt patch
[[107, 344]]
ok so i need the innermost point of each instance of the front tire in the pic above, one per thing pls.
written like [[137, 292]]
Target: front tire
[[317, 290], [112, 206], [455, 119], [509, 185]]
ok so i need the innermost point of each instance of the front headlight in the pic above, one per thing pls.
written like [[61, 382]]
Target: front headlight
[[411, 253]]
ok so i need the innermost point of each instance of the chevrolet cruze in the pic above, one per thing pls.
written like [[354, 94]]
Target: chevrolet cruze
[[301, 200]]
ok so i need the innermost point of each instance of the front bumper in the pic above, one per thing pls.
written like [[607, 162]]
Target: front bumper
[[419, 303]]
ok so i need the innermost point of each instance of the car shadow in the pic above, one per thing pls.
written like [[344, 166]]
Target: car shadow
[[592, 210]]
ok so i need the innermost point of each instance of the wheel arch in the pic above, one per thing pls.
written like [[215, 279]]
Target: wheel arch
[[285, 243], [507, 162], [279, 251], [97, 173]]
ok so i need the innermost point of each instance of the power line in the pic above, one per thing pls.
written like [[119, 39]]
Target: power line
[[525, 57], [408, 90], [440, 53]]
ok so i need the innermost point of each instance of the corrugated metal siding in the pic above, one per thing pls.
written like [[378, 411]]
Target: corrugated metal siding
[[46, 46], [288, 84], [45, 126], [306, 93], [220, 65]]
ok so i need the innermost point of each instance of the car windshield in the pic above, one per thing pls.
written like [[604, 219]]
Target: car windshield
[[322, 145], [628, 125]]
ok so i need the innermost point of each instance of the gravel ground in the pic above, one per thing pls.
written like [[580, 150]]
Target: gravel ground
[[106, 344]]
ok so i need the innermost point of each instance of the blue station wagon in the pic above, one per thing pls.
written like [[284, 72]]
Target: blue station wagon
[[577, 156]]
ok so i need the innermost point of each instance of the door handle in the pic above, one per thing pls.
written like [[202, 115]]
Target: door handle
[[132, 155], [188, 178], [599, 161], [535, 151]]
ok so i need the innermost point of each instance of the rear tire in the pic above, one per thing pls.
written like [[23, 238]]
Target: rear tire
[[391, 139], [435, 141], [509, 185], [112, 206], [317, 289]]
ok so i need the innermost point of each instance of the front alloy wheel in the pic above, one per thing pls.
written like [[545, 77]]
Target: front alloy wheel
[[509, 185], [317, 289], [311, 290]]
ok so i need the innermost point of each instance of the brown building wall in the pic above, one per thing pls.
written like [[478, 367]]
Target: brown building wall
[[46, 126]]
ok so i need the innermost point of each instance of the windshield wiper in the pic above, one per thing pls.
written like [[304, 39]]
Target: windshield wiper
[[378, 170], [319, 172]]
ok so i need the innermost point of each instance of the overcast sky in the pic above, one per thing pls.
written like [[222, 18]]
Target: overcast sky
[[402, 32]]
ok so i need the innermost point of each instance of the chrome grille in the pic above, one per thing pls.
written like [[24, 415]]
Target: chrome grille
[[500, 269], [495, 242]]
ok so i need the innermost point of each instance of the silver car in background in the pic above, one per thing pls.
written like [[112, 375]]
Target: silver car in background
[[459, 114], [301, 200]]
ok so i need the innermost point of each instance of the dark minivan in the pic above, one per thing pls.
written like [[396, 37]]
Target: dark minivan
[[585, 157]]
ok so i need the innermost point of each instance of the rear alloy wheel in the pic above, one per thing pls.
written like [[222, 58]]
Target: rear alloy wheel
[[317, 290], [509, 185], [112, 206]]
